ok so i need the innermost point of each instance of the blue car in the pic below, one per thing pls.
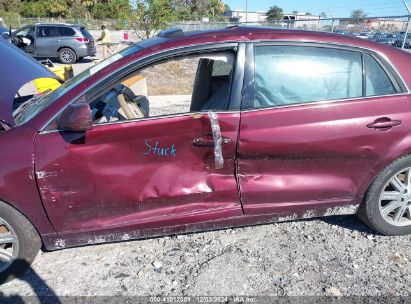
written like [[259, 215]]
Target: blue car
[[3, 30]]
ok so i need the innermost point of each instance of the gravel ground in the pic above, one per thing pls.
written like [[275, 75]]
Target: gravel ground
[[330, 256]]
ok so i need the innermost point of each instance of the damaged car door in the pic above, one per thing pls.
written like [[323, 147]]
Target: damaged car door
[[151, 160], [315, 122]]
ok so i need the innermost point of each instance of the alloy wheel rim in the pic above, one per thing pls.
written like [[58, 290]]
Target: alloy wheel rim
[[67, 56], [9, 245], [395, 199]]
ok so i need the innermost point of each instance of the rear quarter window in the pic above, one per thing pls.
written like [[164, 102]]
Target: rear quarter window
[[86, 33], [66, 31], [377, 81]]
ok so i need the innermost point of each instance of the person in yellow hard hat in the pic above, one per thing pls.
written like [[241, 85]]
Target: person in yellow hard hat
[[105, 41]]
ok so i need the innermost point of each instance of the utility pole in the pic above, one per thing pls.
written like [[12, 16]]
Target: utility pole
[[246, 11], [332, 16], [408, 24]]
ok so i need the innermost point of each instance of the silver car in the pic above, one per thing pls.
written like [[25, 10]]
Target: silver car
[[67, 42]]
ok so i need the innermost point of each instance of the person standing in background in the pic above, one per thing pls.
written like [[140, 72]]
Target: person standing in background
[[105, 41]]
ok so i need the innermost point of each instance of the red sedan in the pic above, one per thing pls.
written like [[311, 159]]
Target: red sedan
[[194, 131]]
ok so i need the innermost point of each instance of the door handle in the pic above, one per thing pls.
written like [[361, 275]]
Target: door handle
[[204, 142], [58, 40], [384, 123]]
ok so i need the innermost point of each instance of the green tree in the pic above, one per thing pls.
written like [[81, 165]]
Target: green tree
[[45, 8], [182, 9], [10, 5], [151, 16], [79, 10], [114, 9], [357, 14], [274, 13]]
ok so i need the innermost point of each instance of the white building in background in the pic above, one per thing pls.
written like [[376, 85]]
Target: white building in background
[[302, 20], [300, 16], [243, 16]]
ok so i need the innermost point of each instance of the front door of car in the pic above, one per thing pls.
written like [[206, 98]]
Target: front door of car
[[148, 173], [28, 42], [312, 130], [48, 41]]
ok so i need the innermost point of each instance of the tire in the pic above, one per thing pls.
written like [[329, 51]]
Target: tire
[[67, 56], [27, 239], [384, 194]]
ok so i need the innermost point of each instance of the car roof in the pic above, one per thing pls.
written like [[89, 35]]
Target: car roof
[[58, 24], [240, 31]]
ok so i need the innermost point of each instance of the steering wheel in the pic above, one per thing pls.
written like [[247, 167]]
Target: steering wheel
[[131, 108]]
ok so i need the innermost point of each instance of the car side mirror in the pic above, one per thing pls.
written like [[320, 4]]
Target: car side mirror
[[75, 118]]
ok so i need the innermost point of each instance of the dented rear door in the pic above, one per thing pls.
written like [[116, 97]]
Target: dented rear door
[[298, 157], [144, 174]]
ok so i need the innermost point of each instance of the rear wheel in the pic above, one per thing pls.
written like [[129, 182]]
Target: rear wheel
[[387, 205], [19, 243], [67, 56]]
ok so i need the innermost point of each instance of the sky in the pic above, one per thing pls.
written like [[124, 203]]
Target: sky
[[375, 8]]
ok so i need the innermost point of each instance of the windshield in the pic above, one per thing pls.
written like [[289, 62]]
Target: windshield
[[35, 105]]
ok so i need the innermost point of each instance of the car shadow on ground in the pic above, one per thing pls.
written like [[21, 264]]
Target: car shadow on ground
[[42, 292], [351, 222]]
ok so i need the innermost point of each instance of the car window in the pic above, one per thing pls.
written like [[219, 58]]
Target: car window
[[49, 31], [188, 84], [66, 31], [286, 75], [86, 33], [25, 31], [377, 80]]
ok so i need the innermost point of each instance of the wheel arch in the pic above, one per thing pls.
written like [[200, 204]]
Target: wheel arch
[[65, 47], [24, 214], [402, 149]]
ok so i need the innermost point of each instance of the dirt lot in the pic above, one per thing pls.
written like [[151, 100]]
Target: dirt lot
[[331, 256]]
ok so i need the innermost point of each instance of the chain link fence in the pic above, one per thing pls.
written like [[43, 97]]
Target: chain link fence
[[389, 30]]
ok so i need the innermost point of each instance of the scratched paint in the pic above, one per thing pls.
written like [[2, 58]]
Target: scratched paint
[[341, 210], [99, 237], [60, 243], [44, 174]]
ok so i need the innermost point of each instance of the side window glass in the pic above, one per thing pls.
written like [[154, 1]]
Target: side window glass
[[377, 81], [41, 31], [25, 31], [286, 75], [22, 32], [188, 84], [66, 31], [48, 31]]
